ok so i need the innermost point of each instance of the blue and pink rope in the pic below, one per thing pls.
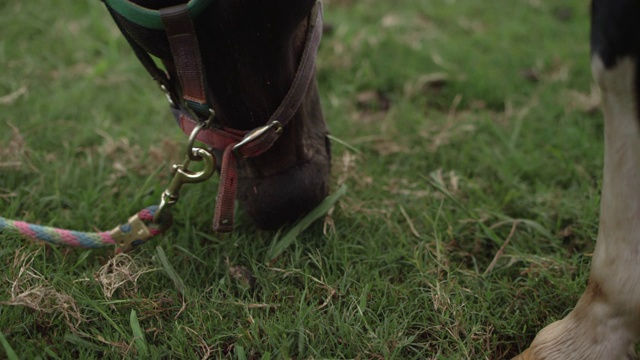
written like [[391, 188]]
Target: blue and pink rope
[[86, 239]]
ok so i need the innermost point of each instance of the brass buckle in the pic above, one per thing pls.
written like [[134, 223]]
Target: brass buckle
[[255, 134], [131, 235]]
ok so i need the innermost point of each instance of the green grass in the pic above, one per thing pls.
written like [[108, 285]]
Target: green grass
[[443, 174]]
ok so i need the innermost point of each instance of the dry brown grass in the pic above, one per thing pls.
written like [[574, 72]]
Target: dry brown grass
[[15, 154], [31, 289], [120, 272]]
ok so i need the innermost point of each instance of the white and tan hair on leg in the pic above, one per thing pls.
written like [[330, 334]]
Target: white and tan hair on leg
[[605, 324]]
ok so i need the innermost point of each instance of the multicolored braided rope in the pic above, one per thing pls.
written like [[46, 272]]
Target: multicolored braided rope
[[138, 230]]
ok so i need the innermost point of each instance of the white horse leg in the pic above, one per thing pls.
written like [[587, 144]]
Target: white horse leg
[[606, 321]]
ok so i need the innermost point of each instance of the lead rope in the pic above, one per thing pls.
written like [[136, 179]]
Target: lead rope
[[141, 227]]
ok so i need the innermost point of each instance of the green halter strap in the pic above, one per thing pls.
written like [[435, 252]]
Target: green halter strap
[[148, 18]]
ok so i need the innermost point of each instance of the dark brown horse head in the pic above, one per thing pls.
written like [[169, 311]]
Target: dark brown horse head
[[251, 52]]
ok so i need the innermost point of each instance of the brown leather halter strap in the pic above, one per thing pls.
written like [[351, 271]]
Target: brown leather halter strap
[[185, 51], [193, 109]]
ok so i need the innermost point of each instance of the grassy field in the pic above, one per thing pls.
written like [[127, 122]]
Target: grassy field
[[473, 169]]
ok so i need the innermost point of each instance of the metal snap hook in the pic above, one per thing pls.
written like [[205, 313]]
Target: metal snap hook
[[182, 175], [203, 125]]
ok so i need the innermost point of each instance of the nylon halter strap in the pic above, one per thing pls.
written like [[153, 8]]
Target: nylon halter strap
[[192, 109]]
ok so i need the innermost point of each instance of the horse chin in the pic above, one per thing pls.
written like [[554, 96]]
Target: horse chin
[[284, 197], [291, 178]]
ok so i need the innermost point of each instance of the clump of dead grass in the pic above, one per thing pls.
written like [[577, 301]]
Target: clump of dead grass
[[15, 154], [120, 272], [31, 289], [348, 170], [589, 103], [125, 157], [457, 123], [11, 98]]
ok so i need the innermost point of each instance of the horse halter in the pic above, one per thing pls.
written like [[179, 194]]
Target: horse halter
[[190, 102]]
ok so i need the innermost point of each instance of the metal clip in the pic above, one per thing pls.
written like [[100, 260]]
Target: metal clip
[[255, 134], [131, 234], [203, 125], [182, 175]]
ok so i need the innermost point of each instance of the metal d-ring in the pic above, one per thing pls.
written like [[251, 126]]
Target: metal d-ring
[[257, 133], [168, 94], [202, 125]]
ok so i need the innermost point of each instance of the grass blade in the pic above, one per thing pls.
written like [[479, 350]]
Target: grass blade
[[171, 272], [344, 143], [138, 335], [52, 355], [442, 189], [11, 355], [240, 353], [279, 245], [78, 341]]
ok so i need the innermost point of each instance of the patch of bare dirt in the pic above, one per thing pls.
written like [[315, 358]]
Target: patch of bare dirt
[[372, 106], [557, 71]]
